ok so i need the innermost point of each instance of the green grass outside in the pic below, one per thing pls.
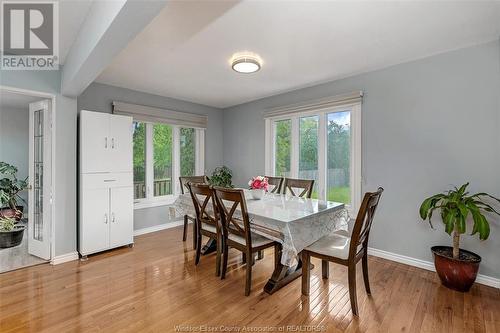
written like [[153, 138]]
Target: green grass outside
[[337, 194]]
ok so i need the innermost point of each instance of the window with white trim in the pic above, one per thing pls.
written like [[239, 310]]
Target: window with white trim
[[324, 145], [161, 154]]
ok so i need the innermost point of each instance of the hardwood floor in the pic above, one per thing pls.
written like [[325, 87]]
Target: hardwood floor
[[155, 286]]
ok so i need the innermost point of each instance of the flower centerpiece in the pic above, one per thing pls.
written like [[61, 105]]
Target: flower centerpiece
[[258, 186]]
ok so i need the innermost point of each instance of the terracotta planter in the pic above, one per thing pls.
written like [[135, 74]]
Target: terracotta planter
[[11, 238], [11, 213], [457, 274]]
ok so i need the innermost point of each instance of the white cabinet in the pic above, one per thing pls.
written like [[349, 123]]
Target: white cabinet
[[94, 233], [106, 216], [121, 216], [105, 142], [120, 149], [94, 147]]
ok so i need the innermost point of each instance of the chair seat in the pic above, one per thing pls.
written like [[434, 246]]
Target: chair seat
[[257, 240], [209, 228], [335, 245]]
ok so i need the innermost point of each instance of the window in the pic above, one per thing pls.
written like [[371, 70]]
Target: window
[[139, 161], [338, 186], [162, 153], [188, 152], [323, 145], [308, 150], [162, 156], [283, 143]]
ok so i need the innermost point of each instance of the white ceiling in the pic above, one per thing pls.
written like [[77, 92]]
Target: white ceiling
[[72, 14], [184, 52]]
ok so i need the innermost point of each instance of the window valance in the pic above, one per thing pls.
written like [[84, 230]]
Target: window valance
[[317, 104], [157, 115]]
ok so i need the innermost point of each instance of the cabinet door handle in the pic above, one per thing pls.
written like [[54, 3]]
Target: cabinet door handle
[[113, 217], [106, 142], [113, 143], [105, 218]]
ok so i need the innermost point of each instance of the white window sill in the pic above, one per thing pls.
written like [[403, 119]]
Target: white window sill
[[154, 203]]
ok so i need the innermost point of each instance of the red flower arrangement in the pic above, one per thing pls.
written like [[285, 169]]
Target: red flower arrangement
[[259, 183]]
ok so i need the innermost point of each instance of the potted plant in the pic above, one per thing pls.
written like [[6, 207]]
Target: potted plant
[[457, 268], [11, 234], [10, 187], [258, 187], [222, 176]]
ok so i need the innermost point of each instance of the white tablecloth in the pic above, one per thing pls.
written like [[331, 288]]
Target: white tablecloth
[[294, 222]]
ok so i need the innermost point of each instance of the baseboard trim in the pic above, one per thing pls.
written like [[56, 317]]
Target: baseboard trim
[[64, 258], [482, 279], [158, 227]]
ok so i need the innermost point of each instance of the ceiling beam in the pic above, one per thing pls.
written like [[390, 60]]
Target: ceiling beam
[[108, 28]]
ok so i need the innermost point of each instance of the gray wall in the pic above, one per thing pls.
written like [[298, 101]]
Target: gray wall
[[427, 125], [65, 164], [98, 97], [14, 139]]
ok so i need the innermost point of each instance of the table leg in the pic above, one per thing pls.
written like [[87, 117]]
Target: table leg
[[209, 247], [283, 275]]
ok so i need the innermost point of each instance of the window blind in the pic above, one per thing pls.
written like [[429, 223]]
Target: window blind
[[157, 115], [316, 105]]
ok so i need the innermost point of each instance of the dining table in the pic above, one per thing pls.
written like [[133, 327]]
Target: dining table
[[292, 221]]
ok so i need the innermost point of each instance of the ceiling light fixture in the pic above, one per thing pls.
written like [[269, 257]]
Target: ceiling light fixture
[[246, 63]]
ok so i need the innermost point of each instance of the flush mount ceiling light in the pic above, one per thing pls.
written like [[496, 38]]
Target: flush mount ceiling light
[[246, 63]]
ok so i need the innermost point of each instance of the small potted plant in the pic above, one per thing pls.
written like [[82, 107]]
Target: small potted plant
[[11, 234], [457, 268], [258, 187], [10, 187], [222, 176]]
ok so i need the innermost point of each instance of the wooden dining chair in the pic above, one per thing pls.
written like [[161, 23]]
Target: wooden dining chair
[[277, 182], [206, 224], [306, 185], [237, 234], [339, 248], [184, 181]]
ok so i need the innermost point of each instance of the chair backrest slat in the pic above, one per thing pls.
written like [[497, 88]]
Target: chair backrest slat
[[364, 220], [191, 179], [277, 182], [201, 195], [228, 201], [306, 185]]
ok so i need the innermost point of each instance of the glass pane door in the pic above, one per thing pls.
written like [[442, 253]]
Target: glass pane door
[[339, 157], [38, 175], [39, 195]]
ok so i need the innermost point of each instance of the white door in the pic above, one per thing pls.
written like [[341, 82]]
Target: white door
[[95, 220], [95, 142], [120, 133], [40, 171], [122, 216]]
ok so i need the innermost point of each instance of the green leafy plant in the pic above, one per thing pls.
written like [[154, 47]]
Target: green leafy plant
[[10, 186], [222, 176], [7, 224], [455, 207]]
